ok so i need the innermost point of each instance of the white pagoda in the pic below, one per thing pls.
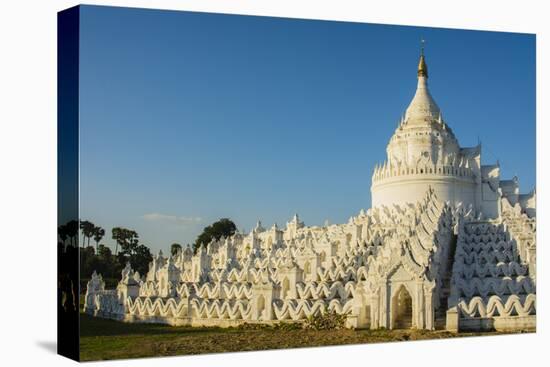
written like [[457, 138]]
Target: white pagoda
[[446, 244]]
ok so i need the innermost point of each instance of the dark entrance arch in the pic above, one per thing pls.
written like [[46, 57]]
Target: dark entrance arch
[[402, 309]]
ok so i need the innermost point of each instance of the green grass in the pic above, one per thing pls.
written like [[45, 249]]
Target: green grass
[[106, 339]]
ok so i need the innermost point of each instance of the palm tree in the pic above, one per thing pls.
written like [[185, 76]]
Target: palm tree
[[98, 235], [117, 234], [87, 229], [127, 239]]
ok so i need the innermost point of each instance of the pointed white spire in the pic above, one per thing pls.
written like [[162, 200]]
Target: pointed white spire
[[422, 106]]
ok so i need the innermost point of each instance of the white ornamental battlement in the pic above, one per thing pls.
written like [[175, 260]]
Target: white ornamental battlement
[[386, 171]]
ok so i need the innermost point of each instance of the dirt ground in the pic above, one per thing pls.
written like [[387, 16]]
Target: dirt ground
[[106, 339]]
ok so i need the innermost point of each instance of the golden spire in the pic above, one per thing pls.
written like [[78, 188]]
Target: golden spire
[[422, 67]]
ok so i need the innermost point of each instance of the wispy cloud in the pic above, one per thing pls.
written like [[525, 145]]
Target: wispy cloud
[[158, 217]]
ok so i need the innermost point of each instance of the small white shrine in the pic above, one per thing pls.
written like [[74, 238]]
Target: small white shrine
[[447, 244]]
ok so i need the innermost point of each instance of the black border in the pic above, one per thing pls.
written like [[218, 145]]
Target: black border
[[68, 35]]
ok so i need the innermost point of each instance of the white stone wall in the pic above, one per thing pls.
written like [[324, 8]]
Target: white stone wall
[[411, 188]]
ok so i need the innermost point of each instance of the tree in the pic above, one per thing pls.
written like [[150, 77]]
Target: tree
[[223, 227], [127, 239], [88, 260], [104, 252], [175, 248], [138, 255], [88, 250], [87, 229], [107, 264], [98, 236], [140, 259], [101, 258]]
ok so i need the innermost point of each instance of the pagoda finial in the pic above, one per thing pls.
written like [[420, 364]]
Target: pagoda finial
[[422, 67]]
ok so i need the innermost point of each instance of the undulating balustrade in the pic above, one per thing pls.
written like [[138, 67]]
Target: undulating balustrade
[[490, 285], [523, 230]]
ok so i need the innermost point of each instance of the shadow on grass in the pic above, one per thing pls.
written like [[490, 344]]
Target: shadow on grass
[[95, 326]]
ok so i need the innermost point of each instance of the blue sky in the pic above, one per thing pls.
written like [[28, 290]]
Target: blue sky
[[189, 117]]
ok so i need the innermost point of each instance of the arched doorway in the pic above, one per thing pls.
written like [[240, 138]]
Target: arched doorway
[[402, 309]]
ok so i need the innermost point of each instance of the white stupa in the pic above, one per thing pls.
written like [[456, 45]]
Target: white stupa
[[424, 152]]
